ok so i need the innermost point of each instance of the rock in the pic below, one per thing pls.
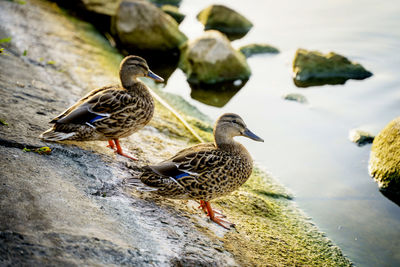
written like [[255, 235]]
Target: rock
[[253, 49], [384, 161], [312, 68], [225, 20], [361, 137], [103, 7], [295, 97], [212, 59], [139, 24], [173, 11], [166, 2], [109, 7]]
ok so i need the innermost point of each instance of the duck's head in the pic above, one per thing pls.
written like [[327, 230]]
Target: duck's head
[[230, 125], [133, 67]]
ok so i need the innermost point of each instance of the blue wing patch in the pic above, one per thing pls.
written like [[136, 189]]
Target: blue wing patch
[[181, 175], [98, 117]]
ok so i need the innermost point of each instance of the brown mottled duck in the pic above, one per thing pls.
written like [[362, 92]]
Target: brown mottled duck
[[110, 112], [204, 171]]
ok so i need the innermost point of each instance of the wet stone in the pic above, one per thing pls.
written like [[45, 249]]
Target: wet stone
[[295, 97], [361, 137], [255, 49], [312, 68]]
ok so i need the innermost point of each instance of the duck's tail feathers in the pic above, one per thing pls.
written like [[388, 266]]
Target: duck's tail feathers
[[134, 180], [52, 135]]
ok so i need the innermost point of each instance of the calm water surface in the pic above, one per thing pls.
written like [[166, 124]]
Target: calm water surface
[[306, 146]]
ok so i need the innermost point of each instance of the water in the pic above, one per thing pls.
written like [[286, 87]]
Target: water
[[306, 146]]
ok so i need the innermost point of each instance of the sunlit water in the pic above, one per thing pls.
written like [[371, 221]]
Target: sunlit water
[[306, 146]]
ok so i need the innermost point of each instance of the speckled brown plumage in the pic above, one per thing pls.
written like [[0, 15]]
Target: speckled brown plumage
[[110, 112], [212, 172], [205, 171]]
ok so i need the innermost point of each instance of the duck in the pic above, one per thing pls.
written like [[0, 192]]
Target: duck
[[111, 112], [204, 171]]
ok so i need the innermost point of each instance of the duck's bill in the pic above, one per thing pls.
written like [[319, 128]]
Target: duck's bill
[[251, 135], [154, 76]]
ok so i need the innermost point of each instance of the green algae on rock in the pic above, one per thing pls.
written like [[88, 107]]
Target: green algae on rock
[[270, 229], [139, 24], [361, 137], [384, 162], [225, 20], [312, 68], [212, 59], [173, 11], [253, 49]]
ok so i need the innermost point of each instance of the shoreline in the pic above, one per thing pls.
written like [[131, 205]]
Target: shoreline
[[271, 230]]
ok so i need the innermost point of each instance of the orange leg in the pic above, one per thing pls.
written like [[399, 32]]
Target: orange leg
[[215, 216], [204, 207], [119, 150], [111, 144]]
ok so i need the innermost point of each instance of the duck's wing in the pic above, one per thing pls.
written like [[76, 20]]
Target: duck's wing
[[91, 108], [81, 101], [188, 164], [187, 152]]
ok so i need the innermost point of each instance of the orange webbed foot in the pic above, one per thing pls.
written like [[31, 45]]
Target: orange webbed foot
[[119, 149], [215, 215], [111, 144], [127, 156]]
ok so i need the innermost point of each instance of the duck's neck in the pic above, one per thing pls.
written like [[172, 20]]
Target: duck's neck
[[127, 80], [226, 142]]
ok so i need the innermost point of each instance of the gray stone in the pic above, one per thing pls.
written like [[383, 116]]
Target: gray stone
[[225, 20], [104, 7], [254, 49], [173, 11], [211, 59], [295, 97], [166, 2], [361, 137], [311, 68], [139, 24]]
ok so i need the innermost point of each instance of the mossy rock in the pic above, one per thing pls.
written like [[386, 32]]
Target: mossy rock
[[173, 11], [312, 68], [211, 59], [253, 49], [225, 20], [384, 162], [140, 25]]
